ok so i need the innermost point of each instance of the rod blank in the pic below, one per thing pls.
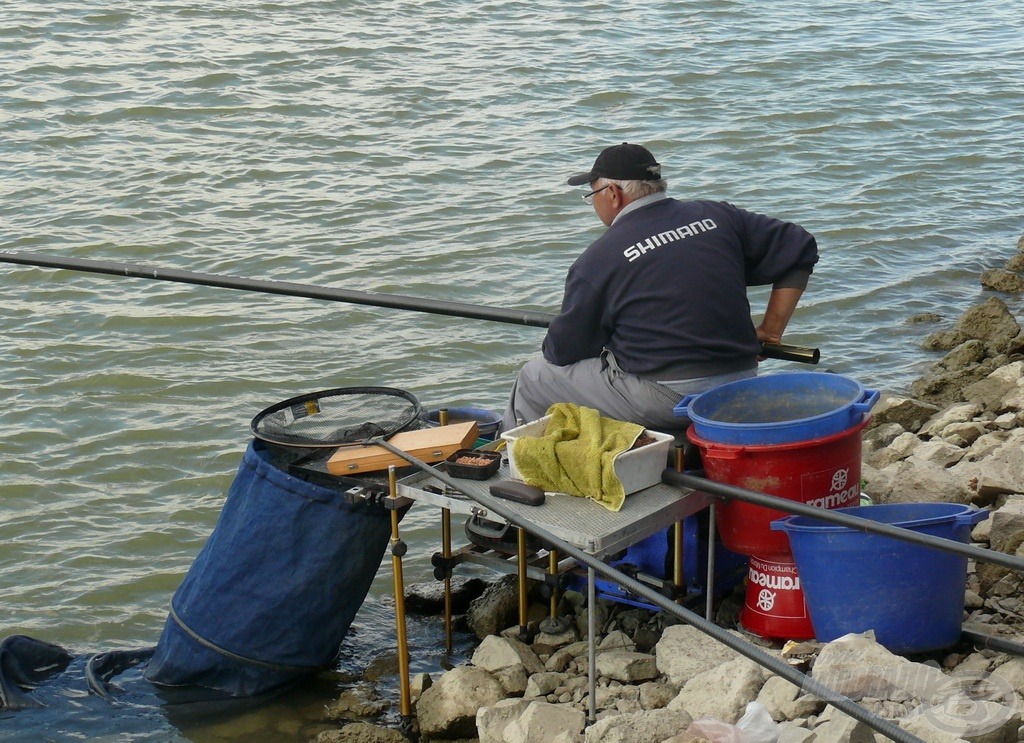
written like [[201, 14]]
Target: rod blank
[[312, 291]]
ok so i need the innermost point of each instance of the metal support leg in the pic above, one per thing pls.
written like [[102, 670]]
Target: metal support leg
[[521, 564], [709, 591], [677, 566], [398, 549], [591, 646], [446, 552]]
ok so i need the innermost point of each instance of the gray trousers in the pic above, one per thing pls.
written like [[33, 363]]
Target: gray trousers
[[599, 383]]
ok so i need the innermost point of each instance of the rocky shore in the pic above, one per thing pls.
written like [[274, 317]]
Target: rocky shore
[[957, 437]]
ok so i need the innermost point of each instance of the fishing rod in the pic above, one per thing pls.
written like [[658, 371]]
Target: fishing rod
[[310, 291]]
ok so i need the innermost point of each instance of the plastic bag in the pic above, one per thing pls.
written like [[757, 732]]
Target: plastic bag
[[755, 726]]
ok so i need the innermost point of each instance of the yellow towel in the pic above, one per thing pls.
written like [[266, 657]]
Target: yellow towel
[[576, 454]]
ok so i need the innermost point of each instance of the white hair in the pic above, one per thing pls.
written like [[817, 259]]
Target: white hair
[[637, 189]]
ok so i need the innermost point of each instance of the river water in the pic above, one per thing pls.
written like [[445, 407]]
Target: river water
[[418, 148]]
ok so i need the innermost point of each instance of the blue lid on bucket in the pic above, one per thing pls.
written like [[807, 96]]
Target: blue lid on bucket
[[778, 408]]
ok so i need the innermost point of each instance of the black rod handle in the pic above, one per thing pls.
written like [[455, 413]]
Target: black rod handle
[[784, 352]]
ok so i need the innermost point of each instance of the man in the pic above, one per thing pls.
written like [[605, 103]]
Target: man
[[656, 308]]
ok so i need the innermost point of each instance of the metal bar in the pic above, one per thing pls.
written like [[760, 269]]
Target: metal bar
[[446, 552], [842, 519], [397, 550], [591, 645], [311, 291], [709, 590], [806, 683], [521, 572]]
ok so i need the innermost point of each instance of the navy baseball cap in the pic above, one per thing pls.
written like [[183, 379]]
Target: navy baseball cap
[[621, 162]]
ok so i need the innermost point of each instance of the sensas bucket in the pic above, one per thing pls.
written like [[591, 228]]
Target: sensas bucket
[[775, 605], [912, 596], [822, 472], [777, 408]]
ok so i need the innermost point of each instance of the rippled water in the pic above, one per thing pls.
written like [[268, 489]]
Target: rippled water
[[420, 148]]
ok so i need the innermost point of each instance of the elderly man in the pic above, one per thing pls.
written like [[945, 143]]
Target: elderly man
[[656, 307]]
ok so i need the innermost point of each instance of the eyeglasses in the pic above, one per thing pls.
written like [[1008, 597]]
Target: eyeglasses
[[589, 198]]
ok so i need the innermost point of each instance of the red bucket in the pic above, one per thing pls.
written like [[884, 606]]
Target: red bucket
[[775, 605], [823, 472]]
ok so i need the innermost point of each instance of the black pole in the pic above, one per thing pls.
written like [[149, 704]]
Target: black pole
[[723, 490], [287, 288], [309, 291]]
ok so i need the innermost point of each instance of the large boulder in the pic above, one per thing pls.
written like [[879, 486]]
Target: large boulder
[[991, 322], [684, 651], [721, 693], [638, 727], [448, 708]]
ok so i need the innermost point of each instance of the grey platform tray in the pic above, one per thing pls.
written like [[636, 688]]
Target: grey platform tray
[[582, 522]]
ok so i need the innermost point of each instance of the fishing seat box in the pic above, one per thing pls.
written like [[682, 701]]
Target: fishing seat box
[[428, 444]]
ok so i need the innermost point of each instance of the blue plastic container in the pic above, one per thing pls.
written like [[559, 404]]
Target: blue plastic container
[[487, 421], [777, 408], [912, 596]]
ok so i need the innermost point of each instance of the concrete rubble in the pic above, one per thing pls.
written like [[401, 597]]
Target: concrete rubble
[[957, 437]]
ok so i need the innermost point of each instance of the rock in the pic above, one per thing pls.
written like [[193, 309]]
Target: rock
[[1016, 263], [990, 321], [555, 640], [361, 732], [856, 666], [776, 693], [978, 721], [496, 608], [684, 652], [418, 684], [492, 721], [638, 727], [837, 727], [558, 661], [943, 388], [963, 434], [428, 598], [361, 701], [1001, 280], [721, 693], [616, 640], [656, 694], [803, 706], [448, 708], [881, 436], [908, 413], [513, 679], [542, 684], [990, 391], [626, 666], [998, 473], [541, 722], [937, 452], [915, 482], [790, 733], [957, 413], [1005, 535], [497, 653]]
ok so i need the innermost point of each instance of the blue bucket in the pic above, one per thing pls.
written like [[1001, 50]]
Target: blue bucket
[[487, 421], [910, 595], [777, 408]]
